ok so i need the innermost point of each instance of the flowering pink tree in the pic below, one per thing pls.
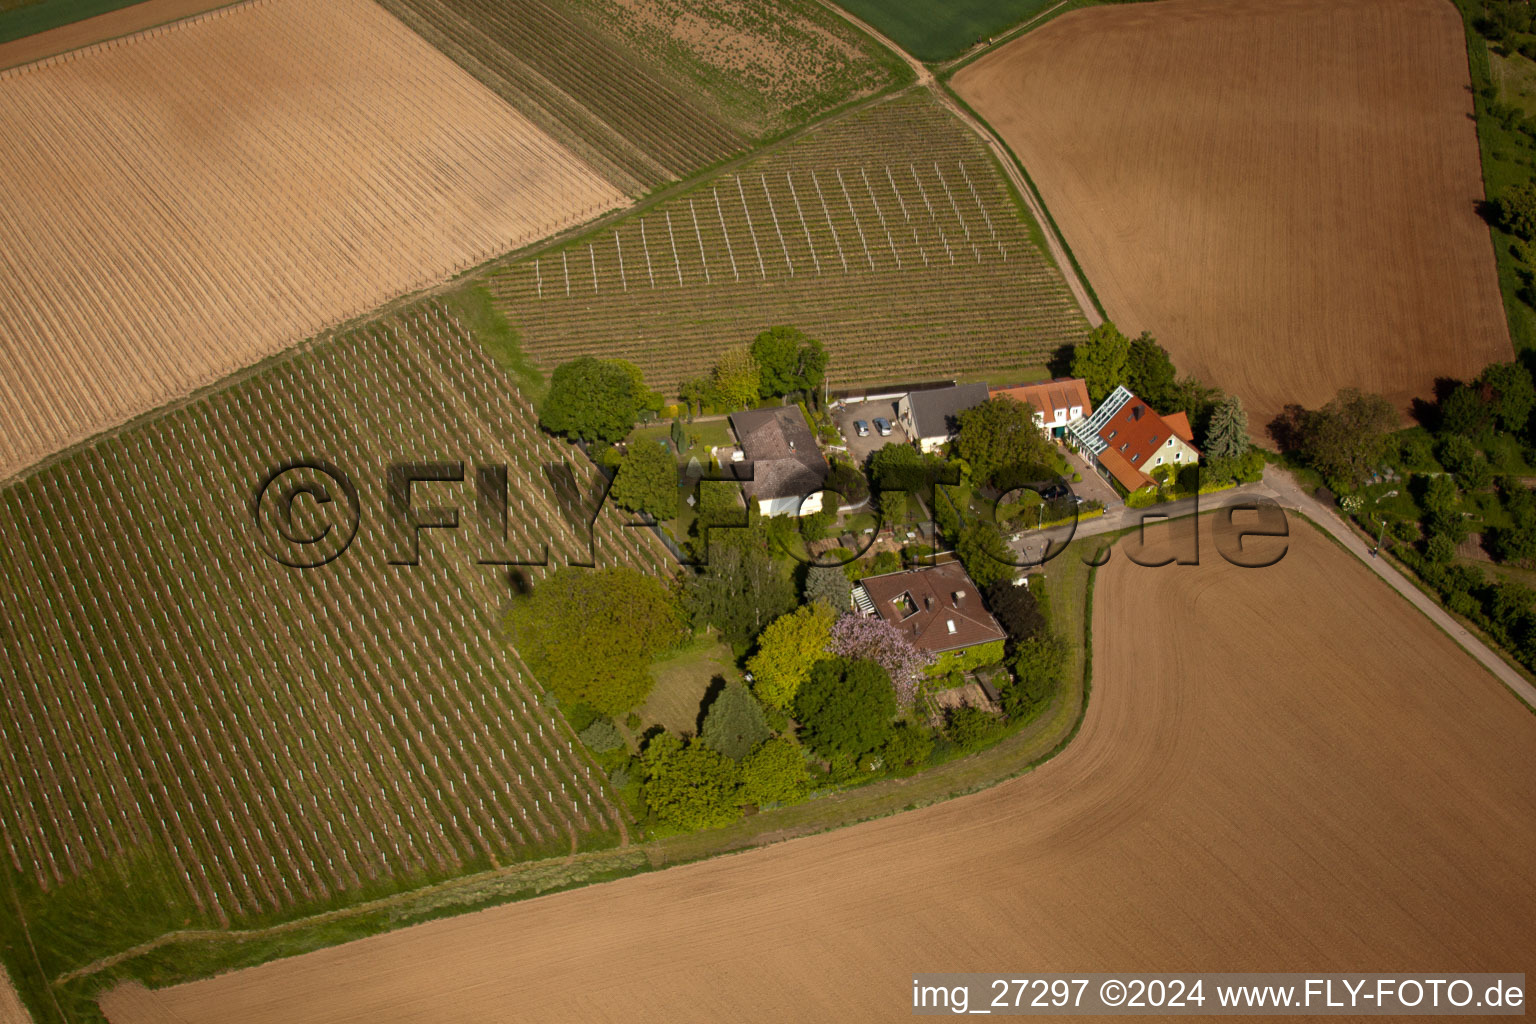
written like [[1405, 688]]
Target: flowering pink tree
[[854, 636]]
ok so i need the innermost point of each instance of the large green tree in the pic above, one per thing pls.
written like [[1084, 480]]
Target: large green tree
[[788, 649], [1226, 437], [593, 399], [829, 585], [845, 707], [690, 785], [742, 587], [1510, 394], [647, 480], [1347, 437], [774, 773], [1150, 373], [737, 379], [985, 554], [788, 360], [734, 723], [589, 635], [1517, 210], [1103, 360], [1001, 442]]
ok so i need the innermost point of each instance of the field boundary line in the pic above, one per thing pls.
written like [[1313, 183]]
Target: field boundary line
[[74, 52], [943, 69]]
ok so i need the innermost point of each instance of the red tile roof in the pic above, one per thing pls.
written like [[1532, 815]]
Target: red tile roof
[[1135, 433], [1049, 395], [937, 607]]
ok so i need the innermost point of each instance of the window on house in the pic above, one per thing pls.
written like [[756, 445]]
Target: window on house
[[1154, 439], [1178, 456], [1124, 446], [1112, 434], [1169, 444], [1136, 457], [1061, 414], [1159, 460]]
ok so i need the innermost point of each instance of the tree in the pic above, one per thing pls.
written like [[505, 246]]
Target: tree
[[787, 650], [1017, 611], [909, 746], [602, 736], [1038, 666], [690, 785], [999, 437], [1517, 210], [589, 634], [984, 553], [1226, 437], [1348, 436], [828, 585], [1464, 412], [846, 707], [970, 728], [1103, 360], [742, 588], [678, 436], [734, 722], [736, 380], [774, 773], [1150, 374], [647, 480], [593, 399], [1510, 394], [874, 639], [694, 392], [1442, 509], [789, 360]]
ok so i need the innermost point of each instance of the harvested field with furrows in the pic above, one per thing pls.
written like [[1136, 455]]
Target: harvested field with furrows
[[197, 736], [1285, 193], [186, 201], [1281, 769], [890, 235], [650, 90]]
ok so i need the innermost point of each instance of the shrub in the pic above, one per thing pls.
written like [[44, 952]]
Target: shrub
[[690, 785], [971, 728], [602, 736], [774, 773], [909, 746], [846, 707], [734, 723]]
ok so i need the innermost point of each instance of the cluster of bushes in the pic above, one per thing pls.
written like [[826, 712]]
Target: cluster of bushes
[[780, 361]]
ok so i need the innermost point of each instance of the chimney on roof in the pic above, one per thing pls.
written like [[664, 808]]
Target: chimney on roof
[[928, 602], [791, 444], [957, 597], [1136, 411]]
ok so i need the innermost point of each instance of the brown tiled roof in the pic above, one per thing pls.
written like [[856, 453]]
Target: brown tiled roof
[[1049, 395], [1179, 424], [1136, 433], [782, 452], [922, 603], [1128, 475]]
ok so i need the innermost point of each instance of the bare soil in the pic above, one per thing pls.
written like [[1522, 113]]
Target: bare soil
[[1285, 193], [1282, 769], [184, 202]]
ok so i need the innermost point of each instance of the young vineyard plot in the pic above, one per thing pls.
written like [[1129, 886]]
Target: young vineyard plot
[[1285, 192], [186, 201], [191, 726], [890, 235]]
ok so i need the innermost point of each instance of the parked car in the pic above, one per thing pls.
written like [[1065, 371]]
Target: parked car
[[883, 426], [861, 428]]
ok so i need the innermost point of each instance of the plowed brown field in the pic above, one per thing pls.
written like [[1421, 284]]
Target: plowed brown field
[[1283, 191], [186, 201], [1280, 769]]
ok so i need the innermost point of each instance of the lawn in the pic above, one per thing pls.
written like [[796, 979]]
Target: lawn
[[938, 30], [1515, 78], [681, 683], [20, 18], [700, 436]]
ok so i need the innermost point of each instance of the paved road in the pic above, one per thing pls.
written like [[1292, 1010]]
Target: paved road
[[1281, 487]]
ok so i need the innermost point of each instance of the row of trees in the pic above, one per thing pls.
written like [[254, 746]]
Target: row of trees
[[780, 361]]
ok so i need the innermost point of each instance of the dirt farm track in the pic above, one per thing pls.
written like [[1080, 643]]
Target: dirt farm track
[[1304, 776], [186, 201], [1283, 191]]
